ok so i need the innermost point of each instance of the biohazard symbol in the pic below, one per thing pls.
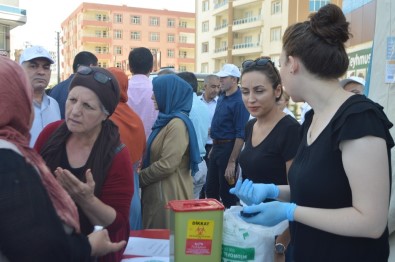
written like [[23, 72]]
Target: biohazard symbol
[[200, 230]]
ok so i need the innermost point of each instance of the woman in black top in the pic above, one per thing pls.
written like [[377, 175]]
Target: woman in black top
[[339, 182], [271, 137]]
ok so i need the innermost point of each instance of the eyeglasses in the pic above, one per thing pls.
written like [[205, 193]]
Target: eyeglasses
[[98, 76], [260, 62]]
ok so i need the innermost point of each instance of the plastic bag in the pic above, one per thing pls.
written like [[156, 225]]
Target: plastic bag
[[242, 241]]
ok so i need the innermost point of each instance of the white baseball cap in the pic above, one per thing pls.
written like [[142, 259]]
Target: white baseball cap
[[35, 52], [229, 70], [355, 79]]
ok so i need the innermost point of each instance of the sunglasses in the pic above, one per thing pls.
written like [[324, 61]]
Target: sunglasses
[[260, 62], [98, 76]]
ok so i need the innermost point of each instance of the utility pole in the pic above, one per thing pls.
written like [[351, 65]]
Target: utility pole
[[58, 55]]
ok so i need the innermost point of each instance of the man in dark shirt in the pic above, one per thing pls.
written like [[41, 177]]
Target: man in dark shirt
[[227, 132], [61, 90]]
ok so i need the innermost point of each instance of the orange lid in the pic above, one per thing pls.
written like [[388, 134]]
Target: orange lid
[[194, 205]]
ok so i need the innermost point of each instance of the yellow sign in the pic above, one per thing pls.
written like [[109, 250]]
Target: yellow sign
[[200, 229]]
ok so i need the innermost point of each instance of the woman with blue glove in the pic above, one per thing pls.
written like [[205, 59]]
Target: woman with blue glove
[[271, 137], [339, 182]]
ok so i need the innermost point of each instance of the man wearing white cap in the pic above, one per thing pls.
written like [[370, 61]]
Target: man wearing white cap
[[227, 132], [36, 61], [353, 84]]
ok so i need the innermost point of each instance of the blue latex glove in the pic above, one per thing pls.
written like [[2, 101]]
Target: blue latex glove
[[251, 193], [270, 213]]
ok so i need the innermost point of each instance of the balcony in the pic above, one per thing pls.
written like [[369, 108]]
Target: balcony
[[243, 48], [247, 23], [221, 4], [103, 56], [220, 30], [220, 52], [237, 3], [92, 38], [220, 7], [12, 16], [96, 23], [186, 59]]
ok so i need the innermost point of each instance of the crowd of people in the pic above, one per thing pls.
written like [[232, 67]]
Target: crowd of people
[[100, 154]]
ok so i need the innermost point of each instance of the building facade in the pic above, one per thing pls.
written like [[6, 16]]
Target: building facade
[[11, 16], [111, 31], [231, 31]]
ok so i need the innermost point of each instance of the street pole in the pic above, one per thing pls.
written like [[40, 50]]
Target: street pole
[[58, 60]]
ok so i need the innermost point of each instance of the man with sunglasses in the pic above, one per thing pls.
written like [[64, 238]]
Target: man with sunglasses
[[36, 61], [227, 132]]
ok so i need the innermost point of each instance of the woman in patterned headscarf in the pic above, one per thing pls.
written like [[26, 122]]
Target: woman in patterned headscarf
[[39, 221]]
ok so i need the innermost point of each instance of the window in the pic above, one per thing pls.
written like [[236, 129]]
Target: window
[[204, 68], [118, 50], [135, 19], [101, 17], [101, 49], [118, 34], [248, 39], [117, 18], [154, 37], [317, 4], [100, 33], [205, 5], [154, 21], [205, 26], [275, 34], [118, 64], [3, 37], [183, 54], [135, 35], [102, 64], [183, 39], [276, 7], [171, 22], [170, 38], [170, 52], [205, 47], [182, 68], [183, 24]]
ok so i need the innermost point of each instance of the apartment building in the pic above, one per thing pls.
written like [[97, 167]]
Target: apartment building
[[231, 31], [11, 16], [111, 31]]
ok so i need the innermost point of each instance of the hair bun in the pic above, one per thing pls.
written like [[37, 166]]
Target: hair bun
[[330, 24]]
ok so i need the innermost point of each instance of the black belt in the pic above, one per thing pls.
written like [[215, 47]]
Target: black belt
[[222, 141]]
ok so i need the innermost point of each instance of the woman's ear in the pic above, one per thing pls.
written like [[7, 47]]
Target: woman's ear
[[293, 64], [278, 91]]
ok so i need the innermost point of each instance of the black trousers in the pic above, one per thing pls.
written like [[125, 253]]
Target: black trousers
[[216, 185]]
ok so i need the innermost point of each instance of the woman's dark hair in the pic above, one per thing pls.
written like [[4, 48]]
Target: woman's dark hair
[[264, 65], [319, 42]]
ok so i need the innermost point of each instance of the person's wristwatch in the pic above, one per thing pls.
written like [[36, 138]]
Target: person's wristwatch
[[279, 248]]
